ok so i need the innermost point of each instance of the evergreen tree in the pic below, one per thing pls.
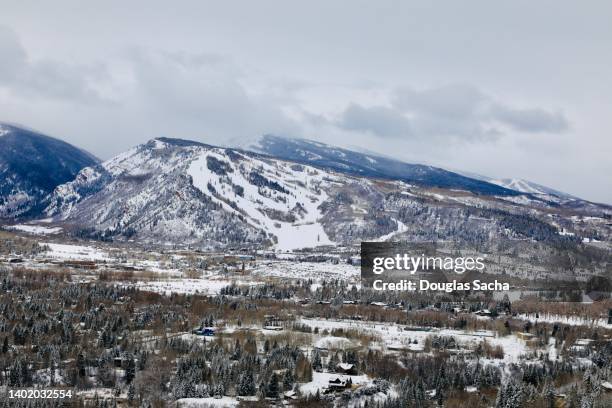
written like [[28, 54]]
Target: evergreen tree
[[510, 395], [237, 350], [130, 370], [220, 389], [587, 401], [549, 395], [131, 393], [246, 384], [80, 365], [272, 387], [19, 373], [288, 380], [261, 389], [316, 360], [332, 363]]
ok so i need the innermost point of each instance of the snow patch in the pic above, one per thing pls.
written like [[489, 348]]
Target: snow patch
[[34, 229]]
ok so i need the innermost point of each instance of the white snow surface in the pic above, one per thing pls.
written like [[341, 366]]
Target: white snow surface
[[305, 270], [333, 343], [523, 186], [304, 233], [569, 320], [75, 252], [222, 402], [34, 229], [186, 286], [393, 335]]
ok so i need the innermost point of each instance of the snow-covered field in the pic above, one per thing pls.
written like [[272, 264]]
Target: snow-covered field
[[569, 320], [75, 252], [393, 335], [306, 270], [186, 286], [207, 402], [34, 229], [333, 342]]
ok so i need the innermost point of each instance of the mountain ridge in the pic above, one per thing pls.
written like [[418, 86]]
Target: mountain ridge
[[351, 162], [32, 164]]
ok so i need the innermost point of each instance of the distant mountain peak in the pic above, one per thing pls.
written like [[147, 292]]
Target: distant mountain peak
[[526, 186], [523, 186]]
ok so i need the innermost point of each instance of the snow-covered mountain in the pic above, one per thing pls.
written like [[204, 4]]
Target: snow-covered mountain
[[172, 191], [190, 192], [31, 166], [372, 165]]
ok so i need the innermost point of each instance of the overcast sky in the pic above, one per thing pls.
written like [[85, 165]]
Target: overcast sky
[[505, 89]]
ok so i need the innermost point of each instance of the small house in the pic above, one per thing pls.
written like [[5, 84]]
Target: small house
[[525, 336], [204, 331], [338, 384], [483, 312]]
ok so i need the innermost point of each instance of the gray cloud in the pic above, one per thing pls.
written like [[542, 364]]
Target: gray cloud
[[533, 120], [205, 95], [452, 101], [47, 78], [13, 56], [457, 112], [468, 112], [378, 120]]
